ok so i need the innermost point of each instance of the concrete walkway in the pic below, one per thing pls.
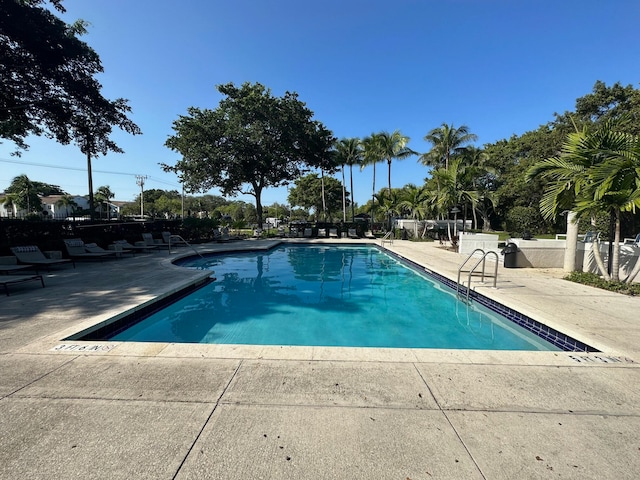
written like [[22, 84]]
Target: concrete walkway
[[164, 411]]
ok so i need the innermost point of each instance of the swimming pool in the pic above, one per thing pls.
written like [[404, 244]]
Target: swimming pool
[[325, 295]]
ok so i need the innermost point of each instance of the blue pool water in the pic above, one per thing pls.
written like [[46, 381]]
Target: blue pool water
[[327, 296]]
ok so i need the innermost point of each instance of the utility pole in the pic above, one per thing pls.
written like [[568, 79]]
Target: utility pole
[[140, 182]]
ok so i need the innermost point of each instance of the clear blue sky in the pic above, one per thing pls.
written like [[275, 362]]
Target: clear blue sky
[[501, 67]]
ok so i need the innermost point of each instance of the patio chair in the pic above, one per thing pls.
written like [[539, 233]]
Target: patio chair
[[6, 280], [369, 234], [351, 233], [632, 241], [31, 255], [591, 237], [322, 233], [308, 232], [9, 264], [77, 250], [173, 240], [150, 242], [126, 247], [333, 233]]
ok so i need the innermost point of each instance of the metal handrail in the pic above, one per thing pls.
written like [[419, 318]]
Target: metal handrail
[[387, 238], [472, 269], [186, 243]]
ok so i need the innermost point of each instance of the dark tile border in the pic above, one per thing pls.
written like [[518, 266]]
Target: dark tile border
[[551, 335]]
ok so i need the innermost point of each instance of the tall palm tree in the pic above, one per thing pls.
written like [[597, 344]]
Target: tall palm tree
[[393, 146], [371, 155], [597, 171], [350, 153], [447, 141]]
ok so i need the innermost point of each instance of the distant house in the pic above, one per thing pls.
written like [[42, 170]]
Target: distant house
[[55, 210], [51, 208]]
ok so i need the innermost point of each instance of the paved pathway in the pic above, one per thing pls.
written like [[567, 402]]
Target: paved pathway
[[164, 411]]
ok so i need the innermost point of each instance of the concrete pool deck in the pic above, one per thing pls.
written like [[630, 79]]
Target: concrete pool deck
[[72, 409]]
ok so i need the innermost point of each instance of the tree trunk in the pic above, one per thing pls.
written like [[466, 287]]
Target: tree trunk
[[352, 199], [595, 248], [344, 199], [324, 203], [615, 263]]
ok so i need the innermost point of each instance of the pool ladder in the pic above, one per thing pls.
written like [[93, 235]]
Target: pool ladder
[[388, 237], [178, 240], [481, 260]]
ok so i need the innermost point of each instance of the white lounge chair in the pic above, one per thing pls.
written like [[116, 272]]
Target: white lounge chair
[[126, 247], [351, 233], [77, 250], [369, 234], [308, 233], [31, 255], [322, 233], [333, 233], [632, 241], [149, 241]]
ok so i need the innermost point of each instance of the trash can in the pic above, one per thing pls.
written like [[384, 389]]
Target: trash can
[[510, 252]]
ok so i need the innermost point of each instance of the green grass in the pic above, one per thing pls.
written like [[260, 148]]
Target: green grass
[[594, 280]]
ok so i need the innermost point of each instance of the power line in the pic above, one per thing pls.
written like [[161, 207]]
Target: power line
[[77, 169]]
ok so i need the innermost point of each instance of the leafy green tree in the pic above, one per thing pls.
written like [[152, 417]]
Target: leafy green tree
[[446, 141], [250, 142], [48, 84], [307, 193]]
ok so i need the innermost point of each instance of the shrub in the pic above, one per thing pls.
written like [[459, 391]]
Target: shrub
[[594, 280], [524, 219]]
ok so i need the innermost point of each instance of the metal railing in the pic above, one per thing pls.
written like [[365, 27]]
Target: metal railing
[[388, 237], [482, 260], [182, 241]]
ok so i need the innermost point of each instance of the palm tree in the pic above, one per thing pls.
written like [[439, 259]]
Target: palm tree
[[414, 202], [23, 194], [451, 190], [447, 141], [371, 155], [597, 171], [103, 195], [68, 203], [349, 153], [393, 145]]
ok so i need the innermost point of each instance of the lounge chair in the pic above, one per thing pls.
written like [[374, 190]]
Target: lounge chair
[[10, 264], [31, 255], [77, 250], [6, 280], [333, 233], [173, 240], [150, 242], [352, 233], [369, 234], [632, 241], [126, 247], [308, 232], [590, 237], [322, 233]]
